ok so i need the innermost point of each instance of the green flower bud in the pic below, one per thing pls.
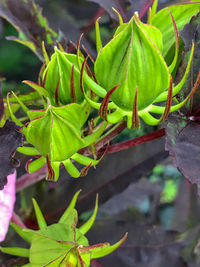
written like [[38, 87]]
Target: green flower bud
[[132, 74], [62, 243], [61, 79], [56, 136], [133, 59]]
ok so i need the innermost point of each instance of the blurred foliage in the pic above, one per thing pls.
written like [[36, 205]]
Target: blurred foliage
[[16, 61], [167, 201]]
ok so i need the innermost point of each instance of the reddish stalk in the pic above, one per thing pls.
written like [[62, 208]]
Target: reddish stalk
[[145, 8], [30, 178], [134, 142], [111, 135]]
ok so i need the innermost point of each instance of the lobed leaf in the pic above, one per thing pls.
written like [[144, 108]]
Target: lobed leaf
[[183, 144], [10, 140]]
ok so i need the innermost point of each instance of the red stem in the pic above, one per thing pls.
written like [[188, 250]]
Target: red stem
[[111, 135], [145, 8], [30, 178], [134, 142]]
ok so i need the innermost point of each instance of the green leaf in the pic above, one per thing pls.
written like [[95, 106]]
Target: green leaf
[[39, 216], [182, 14], [71, 169], [56, 131], [26, 236], [48, 248], [25, 109], [101, 250], [86, 226], [154, 7], [98, 36], [70, 218], [66, 132], [36, 164], [26, 98], [71, 206], [21, 252], [38, 88], [27, 150], [54, 243]]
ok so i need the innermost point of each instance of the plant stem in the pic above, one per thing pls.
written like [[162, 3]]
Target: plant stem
[[134, 142], [30, 178]]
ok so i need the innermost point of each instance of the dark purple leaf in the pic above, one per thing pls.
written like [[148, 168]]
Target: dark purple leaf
[[26, 17], [183, 144], [125, 8], [1, 104], [10, 140], [191, 32], [182, 133], [146, 245], [108, 5]]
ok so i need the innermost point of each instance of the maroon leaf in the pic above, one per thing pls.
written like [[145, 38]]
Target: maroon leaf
[[182, 133], [27, 18], [109, 5], [10, 140], [125, 8], [183, 144], [191, 32]]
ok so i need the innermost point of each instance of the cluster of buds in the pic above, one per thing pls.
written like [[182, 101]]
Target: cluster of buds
[[132, 74]]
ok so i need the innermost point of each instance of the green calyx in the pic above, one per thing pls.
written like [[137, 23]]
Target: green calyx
[[51, 131], [134, 70], [61, 79], [61, 244], [56, 136], [132, 59]]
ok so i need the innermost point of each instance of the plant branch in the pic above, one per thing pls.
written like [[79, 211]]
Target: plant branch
[[146, 6], [133, 142], [30, 178], [110, 135]]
